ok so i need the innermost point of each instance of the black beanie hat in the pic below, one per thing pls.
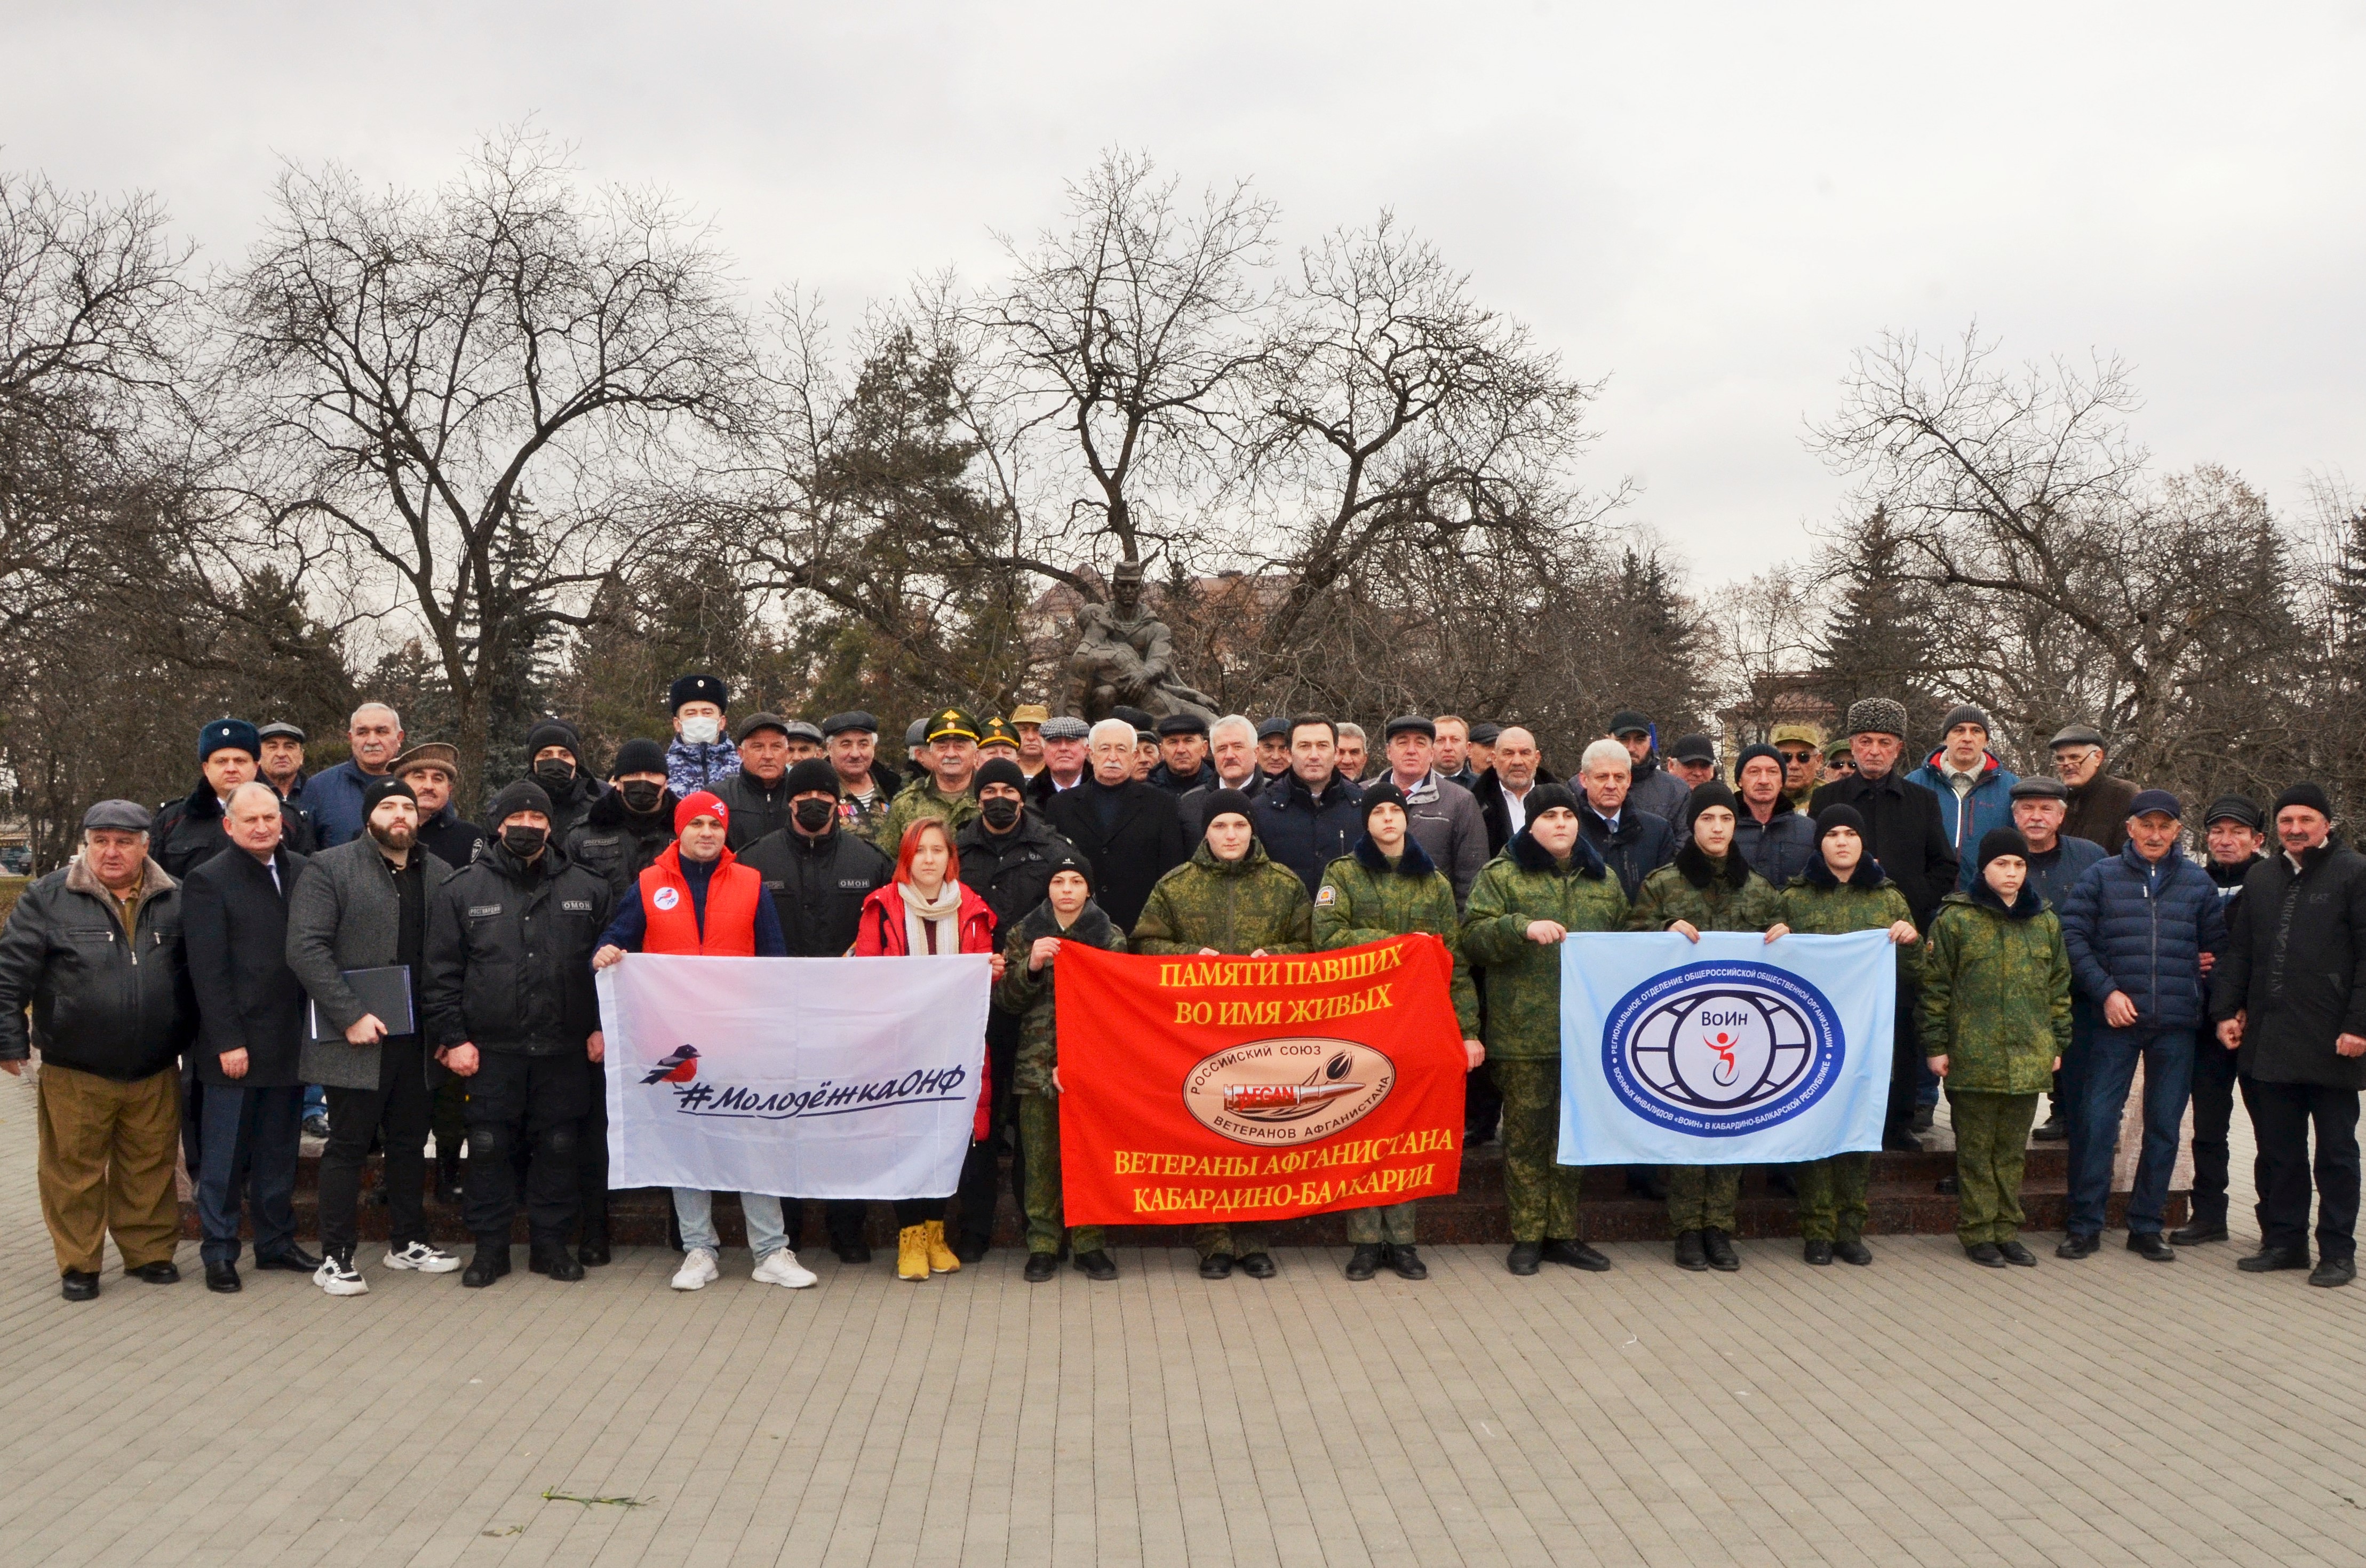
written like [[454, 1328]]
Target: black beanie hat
[[1714, 793], [1072, 861], [553, 732], [1381, 794], [1222, 801], [1757, 750], [2002, 842], [638, 756], [2304, 794], [524, 796], [378, 788], [1838, 815], [806, 776], [1002, 771], [1548, 797]]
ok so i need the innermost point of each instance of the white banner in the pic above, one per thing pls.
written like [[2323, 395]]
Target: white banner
[[801, 1078]]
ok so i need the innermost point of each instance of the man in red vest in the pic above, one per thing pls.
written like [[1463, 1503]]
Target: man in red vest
[[696, 899]]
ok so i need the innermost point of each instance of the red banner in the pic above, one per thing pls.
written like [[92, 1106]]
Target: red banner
[[1202, 1089]]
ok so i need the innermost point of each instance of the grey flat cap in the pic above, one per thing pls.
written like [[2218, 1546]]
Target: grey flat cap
[[2076, 735], [129, 816]]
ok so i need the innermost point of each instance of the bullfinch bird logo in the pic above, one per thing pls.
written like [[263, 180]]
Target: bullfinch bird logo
[[679, 1067]]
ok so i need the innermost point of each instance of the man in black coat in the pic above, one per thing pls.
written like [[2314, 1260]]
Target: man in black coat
[[1905, 832], [631, 822], [819, 872], [2291, 995], [757, 796], [431, 769], [1504, 789], [192, 831], [250, 1034], [1131, 831], [1312, 815]]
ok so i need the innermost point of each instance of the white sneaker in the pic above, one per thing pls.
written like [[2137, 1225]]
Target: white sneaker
[[426, 1259], [340, 1278], [697, 1270], [782, 1269]]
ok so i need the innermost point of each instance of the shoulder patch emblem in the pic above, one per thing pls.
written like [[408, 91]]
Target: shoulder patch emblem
[[1326, 895]]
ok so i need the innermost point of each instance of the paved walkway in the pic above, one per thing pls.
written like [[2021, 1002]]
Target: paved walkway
[[1925, 1411]]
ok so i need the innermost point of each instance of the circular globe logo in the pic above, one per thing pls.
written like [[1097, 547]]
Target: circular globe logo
[[1721, 1049]]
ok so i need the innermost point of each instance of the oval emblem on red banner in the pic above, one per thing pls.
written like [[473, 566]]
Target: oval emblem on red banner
[[1294, 1090]]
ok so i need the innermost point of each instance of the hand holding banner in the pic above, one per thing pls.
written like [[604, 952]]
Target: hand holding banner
[[1206, 1090]]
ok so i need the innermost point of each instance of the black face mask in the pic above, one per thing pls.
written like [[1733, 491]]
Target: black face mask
[[524, 842], [999, 813], [556, 772], [813, 816], [640, 796]]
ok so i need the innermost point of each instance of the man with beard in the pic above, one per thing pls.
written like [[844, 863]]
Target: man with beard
[[555, 756]]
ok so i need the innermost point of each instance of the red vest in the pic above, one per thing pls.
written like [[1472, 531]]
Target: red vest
[[731, 893]]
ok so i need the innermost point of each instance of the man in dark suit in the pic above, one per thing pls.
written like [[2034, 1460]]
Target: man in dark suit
[[1905, 832], [1132, 832], [250, 1033]]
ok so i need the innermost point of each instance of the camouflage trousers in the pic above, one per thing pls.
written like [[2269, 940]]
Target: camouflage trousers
[[1240, 1241], [1991, 1150], [1039, 1136], [1540, 1193], [1831, 1197], [1701, 1197], [1386, 1224]]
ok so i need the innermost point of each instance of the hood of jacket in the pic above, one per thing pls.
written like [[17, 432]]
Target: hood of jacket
[[1205, 857], [1530, 855], [1091, 927], [1692, 863], [1989, 767], [202, 803], [1414, 862], [2029, 906], [1868, 874]]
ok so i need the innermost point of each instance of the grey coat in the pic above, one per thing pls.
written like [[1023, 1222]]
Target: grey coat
[[343, 915]]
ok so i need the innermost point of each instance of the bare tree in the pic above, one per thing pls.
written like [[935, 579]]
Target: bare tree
[[475, 398]]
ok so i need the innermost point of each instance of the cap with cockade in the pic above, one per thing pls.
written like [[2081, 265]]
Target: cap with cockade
[[951, 724], [697, 689], [228, 735], [997, 732], [1029, 713]]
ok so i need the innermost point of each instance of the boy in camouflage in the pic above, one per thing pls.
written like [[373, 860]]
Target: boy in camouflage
[[1844, 890], [1996, 1018], [1548, 882], [1387, 886], [1228, 898], [1706, 887], [1067, 914]]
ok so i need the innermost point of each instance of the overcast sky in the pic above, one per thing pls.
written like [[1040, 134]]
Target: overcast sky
[[1711, 206]]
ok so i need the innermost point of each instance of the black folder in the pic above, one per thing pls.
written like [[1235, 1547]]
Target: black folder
[[386, 992]]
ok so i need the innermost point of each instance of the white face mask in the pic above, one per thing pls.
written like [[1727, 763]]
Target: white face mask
[[701, 731]]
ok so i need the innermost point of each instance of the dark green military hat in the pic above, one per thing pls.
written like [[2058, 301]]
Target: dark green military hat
[[953, 724]]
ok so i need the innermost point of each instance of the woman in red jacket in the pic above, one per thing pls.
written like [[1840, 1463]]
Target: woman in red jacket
[[926, 912]]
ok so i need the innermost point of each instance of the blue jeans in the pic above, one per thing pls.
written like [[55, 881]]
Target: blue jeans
[[249, 1154], [694, 1210], [2111, 1056]]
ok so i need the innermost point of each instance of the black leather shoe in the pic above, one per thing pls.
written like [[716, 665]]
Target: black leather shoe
[[295, 1260], [1854, 1252], [160, 1272], [1897, 1140], [1987, 1254], [76, 1285], [1925, 1118], [1216, 1266], [1819, 1253], [1691, 1255], [554, 1260], [222, 1278], [1258, 1266], [858, 1253], [1575, 1255], [1096, 1265], [1719, 1247], [1365, 1261], [1522, 1258], [2075, 1245], [488, 1265], [969, 1249], [2268, 1260], [447, 1180], [2150, 1247], [1407, 1263], [2197, 1233], [2334, 1271], [595, 1252], [2052, 1129], [1648, 1181], [1040, 1267], [2017, 1255]]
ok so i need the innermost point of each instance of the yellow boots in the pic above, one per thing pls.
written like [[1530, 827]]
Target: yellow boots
[[920, 1250]]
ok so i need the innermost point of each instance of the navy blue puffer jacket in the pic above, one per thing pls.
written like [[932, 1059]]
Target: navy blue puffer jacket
[[1306, 831], [2135, 926]]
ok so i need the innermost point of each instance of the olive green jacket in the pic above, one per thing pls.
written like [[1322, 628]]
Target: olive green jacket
[[1235, 907], [1708, 893], [1995, 993], [917, 799], [1522, 978], [1357, 903], [1030, 995], [1817, 904]]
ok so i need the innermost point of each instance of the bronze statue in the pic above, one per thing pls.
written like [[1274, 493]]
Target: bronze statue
[[1126, 655]]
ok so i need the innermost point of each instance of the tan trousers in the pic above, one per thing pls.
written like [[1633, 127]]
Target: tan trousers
[[106, 1151]]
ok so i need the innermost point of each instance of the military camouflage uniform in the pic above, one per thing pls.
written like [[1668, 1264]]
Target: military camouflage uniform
[[1996, 1003], [1706, 892], [1831, 1190], [917, 799], [1365, 898], [1522, 886], [1029, 994], [1235, 907]]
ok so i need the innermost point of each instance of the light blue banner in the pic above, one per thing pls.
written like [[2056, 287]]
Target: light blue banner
[[1729, 1050]]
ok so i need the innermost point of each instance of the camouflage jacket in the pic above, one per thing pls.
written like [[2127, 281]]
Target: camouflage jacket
[[1522, 978], [1708, 893], [1818, 904], [917, 799], [1364, 899], [1235, 907], [1996, 992], [1029, 994], [862, 820]]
